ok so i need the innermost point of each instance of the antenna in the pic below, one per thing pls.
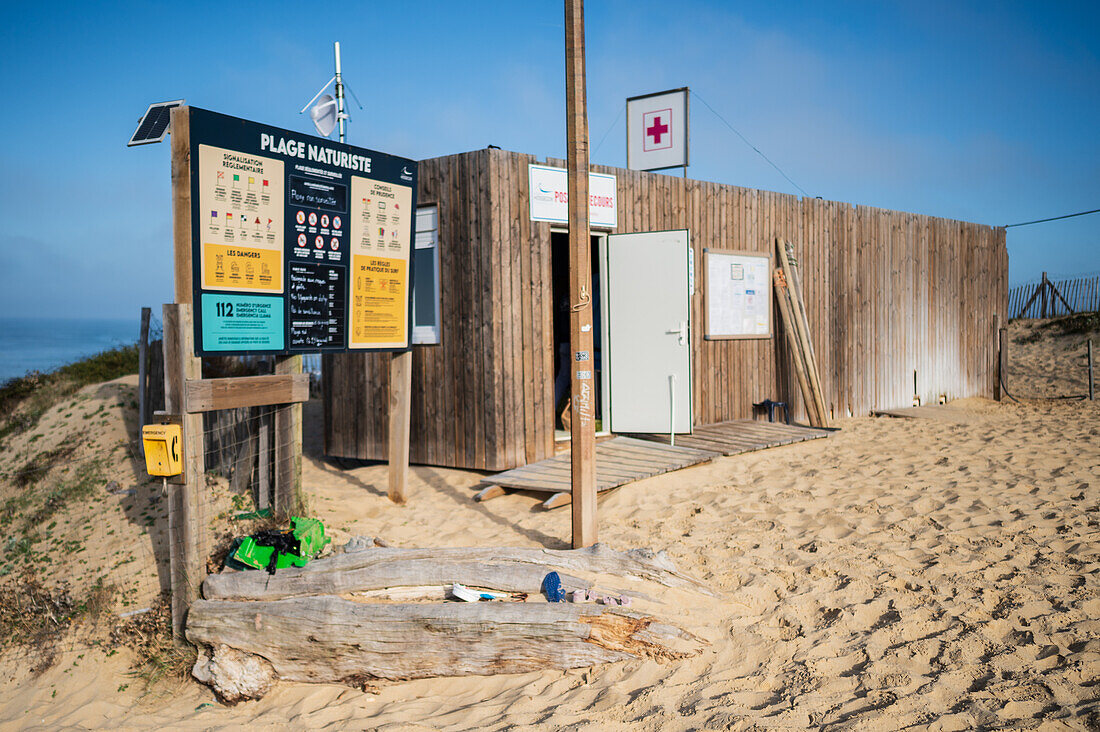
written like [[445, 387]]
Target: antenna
[[328, 110], [339, 92], [323, 114]]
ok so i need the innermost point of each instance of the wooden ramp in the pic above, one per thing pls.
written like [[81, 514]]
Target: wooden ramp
[[938, 413], [742, 435], [619, 460]]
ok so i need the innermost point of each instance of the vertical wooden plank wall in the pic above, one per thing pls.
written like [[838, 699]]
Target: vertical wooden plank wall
[[483, 398], [887, 293]]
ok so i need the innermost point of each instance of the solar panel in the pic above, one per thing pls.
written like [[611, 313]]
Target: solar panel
[[154, 123]]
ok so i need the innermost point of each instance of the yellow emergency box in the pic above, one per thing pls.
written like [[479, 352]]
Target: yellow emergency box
[[163, 449]]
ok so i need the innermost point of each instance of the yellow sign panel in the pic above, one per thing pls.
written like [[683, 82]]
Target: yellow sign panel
[[241, 268], [379, 302], [241, 208], [381, 218], [163, 449]]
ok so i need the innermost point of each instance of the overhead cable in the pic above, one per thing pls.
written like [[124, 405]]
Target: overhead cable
[[1053, 218], [754, 147]]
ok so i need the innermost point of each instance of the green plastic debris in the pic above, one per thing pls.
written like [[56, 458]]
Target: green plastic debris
[[248, 516], [279, 549]]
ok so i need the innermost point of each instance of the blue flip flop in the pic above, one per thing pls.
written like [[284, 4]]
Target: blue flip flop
[[551, 586]]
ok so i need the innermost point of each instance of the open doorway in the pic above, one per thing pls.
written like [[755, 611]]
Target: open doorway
[[559, 268]]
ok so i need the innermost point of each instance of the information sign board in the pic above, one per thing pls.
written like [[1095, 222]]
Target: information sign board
[[299, 244], [738, 294]]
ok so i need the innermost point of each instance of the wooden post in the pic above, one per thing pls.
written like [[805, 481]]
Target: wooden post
[[187, 520], [1046, 296], [400, 416], [143, 373], [996, 357], [783, 297], [1002, 360], [801, 328], [181, 203], [1092, 394], [263, 464], [288, 445], [582, 427]]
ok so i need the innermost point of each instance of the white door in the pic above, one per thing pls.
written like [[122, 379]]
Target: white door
[[648, 332]]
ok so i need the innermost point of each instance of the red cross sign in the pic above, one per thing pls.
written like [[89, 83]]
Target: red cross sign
[[658, 131]]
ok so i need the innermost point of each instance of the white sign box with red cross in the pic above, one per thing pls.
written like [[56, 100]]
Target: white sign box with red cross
[[657, 130]]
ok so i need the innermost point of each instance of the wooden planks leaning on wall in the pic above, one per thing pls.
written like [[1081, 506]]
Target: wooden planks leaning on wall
[[887, 293]]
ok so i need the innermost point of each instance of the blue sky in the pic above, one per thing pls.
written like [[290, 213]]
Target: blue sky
[[980, 111]]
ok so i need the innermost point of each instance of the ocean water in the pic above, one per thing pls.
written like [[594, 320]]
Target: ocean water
[[42, 344]]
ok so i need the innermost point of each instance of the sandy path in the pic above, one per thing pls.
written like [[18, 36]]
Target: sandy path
[[900, 573]]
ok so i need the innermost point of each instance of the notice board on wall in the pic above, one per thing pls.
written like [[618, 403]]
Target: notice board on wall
[[299, 244], [738, 294]]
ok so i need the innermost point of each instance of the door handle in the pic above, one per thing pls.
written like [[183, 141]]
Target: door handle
[[681, 332]]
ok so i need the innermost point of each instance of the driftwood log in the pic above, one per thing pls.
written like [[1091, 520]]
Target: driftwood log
[[330, 639], [253, 629], [505, 569]]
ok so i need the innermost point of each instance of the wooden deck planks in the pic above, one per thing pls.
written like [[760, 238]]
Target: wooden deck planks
[[619, 461], [742, 435], [623, 460]]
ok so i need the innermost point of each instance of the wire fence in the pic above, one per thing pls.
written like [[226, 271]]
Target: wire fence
[[82, 516], [1081, 295]]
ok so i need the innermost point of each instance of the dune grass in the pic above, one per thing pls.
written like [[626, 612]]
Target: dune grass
[[23, 400]]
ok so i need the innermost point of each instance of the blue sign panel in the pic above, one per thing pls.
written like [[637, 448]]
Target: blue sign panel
[[241, 323]]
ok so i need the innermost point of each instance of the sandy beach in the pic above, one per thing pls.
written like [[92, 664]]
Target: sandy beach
[[903, 573]]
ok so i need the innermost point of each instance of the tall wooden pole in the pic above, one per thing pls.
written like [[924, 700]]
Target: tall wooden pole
[[188, 536], [582, 428]]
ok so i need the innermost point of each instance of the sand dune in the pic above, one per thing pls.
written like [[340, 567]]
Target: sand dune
[[900, 574]]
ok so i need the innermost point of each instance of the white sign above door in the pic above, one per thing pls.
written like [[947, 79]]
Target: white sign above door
[[549, 193]]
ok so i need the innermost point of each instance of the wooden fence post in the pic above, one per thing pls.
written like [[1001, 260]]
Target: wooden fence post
[[187, 519], [1092, 394], [996, 357], [400, 419], [1046, 297], [1002, 359], [288, 445], [263, 462]]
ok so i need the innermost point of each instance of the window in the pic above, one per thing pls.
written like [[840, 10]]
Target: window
[[425, 286]]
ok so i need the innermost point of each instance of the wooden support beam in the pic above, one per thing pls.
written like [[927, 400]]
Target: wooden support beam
[[288, 445], [187, 519], [400, 420], [557, 500], [583, 395], [208, 395], [1055, 291], [493, 491]]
